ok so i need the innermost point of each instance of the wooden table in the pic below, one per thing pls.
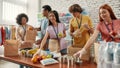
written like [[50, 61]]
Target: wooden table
[[27, 62]]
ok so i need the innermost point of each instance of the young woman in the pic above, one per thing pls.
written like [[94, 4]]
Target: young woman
[[80, 26], [109, 27], [53, 31], [22, 20]]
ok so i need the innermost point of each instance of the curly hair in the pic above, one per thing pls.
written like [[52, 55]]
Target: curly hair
[[19, 18]]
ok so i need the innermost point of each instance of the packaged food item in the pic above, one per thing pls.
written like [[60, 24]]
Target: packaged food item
[[48, 61]]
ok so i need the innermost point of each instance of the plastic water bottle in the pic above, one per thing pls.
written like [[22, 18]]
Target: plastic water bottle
[[101, 50], [116, 62], [109, 55]]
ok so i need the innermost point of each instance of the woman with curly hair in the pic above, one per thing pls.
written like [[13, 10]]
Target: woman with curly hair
[[22, 20]]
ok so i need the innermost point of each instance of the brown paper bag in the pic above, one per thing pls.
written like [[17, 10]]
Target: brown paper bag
[[11, 48], [31, 35], [72, 50], [53, 45], [26, 44]]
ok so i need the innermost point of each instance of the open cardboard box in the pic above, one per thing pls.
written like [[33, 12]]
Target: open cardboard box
[[72, 50]]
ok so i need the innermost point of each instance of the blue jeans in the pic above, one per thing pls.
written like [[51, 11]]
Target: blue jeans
[[63, 51]]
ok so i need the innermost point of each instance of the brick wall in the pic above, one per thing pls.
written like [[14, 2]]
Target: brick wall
[[91, 6]]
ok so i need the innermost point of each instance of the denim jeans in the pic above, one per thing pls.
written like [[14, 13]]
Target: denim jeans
[[63, 51]]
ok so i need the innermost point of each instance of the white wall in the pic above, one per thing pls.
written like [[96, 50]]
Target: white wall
[[0, 11], [33, 9]]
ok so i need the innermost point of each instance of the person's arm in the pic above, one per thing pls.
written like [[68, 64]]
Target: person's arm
[[91, 40], [44, 40], [42, 44], [91, 30]]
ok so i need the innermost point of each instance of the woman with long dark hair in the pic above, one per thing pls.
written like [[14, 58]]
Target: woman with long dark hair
[[56, 31]]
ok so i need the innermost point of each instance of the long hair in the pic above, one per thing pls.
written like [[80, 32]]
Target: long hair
[[107, 7], [56, 16]]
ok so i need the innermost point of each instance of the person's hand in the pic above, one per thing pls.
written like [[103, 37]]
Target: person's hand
[[37, 53], [86, 26], [60, 35], [114, 34], [77, 33], [80, 53]]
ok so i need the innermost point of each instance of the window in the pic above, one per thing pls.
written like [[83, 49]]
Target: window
[[11, 8]]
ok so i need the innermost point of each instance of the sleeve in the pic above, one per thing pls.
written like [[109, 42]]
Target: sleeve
[[90, 22], [47, 29], [71, 27], [45, 25]]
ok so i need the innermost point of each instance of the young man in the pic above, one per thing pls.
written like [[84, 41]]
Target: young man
[[44, 23]]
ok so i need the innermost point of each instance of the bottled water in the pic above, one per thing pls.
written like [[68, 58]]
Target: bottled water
[[116, 62], [109, 55], [101, 49]]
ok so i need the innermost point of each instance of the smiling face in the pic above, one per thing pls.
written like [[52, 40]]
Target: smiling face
[[51, 17], [104, 14]]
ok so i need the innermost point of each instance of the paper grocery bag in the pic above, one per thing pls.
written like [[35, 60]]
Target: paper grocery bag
[[11, 47], [27, 44], [53, 45], [31, 35]]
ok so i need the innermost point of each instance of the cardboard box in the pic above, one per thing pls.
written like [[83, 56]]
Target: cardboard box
[[72, 50]]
